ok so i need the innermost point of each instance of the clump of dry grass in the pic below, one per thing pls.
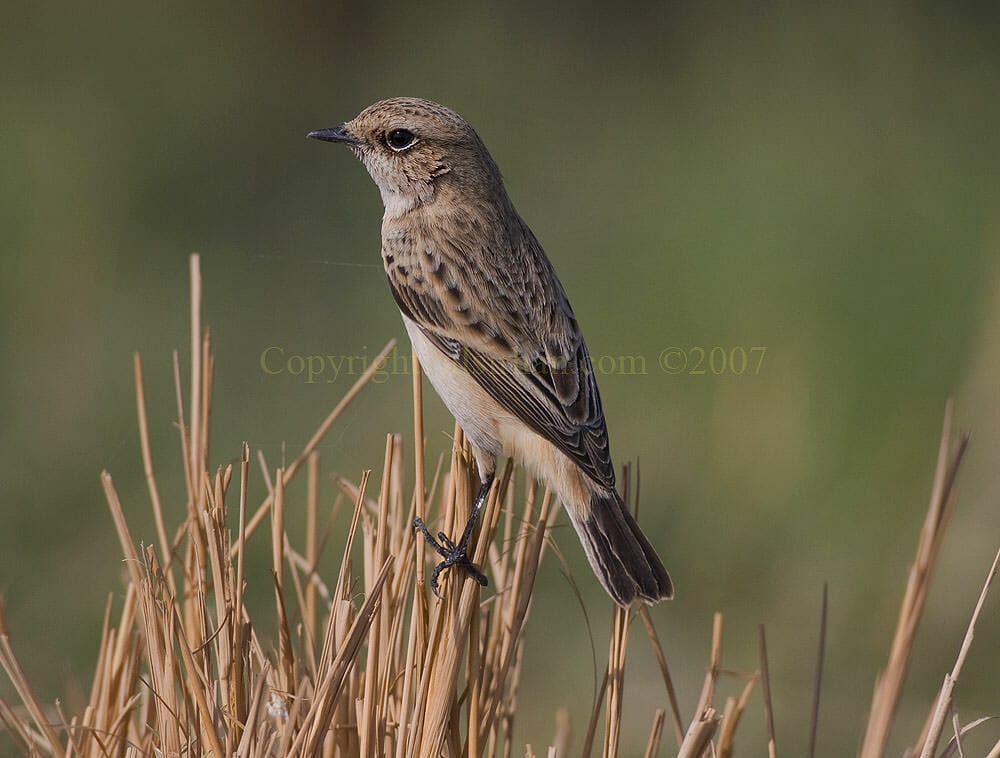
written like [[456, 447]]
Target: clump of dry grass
[[367, 665], [370, 664]]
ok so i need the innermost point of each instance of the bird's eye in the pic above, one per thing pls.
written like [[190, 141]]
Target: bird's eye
[[400, 139]]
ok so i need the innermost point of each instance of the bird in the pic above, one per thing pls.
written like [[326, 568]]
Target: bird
[[493, 330]]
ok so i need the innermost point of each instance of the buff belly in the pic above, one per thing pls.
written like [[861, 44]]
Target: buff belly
[[493, 431]]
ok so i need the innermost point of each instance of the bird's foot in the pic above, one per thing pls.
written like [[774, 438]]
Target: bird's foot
[[454, 555]]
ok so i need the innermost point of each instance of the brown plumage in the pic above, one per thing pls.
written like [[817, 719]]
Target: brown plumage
[[494, 331]]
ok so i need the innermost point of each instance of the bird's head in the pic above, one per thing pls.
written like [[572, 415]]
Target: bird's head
[[414, 149]]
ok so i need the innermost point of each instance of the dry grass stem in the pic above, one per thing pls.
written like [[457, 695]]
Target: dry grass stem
[[889, 683], [668, 682], [818, 682], [765, 679], [944, 698], [655, 734], [616, 680], [698, 739], [731, 718]]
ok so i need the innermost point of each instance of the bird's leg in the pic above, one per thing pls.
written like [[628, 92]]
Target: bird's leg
[[456, 554], [477, 506]]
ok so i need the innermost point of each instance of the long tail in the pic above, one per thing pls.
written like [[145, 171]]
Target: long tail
[[621, 556]]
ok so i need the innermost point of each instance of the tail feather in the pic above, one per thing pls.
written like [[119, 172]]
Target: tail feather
[[621, 556]]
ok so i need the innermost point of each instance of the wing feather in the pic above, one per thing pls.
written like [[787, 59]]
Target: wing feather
[[519, 340]]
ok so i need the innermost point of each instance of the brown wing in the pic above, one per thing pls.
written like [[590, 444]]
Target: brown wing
[[511, 327]]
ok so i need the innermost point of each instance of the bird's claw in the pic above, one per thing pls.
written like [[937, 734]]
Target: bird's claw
[[454, 555]]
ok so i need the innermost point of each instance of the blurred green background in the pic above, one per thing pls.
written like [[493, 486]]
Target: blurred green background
[[819, 181]]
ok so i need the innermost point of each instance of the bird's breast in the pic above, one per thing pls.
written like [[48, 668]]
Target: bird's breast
[[413, 263]]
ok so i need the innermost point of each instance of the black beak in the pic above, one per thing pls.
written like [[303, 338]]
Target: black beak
[[335, 134]]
